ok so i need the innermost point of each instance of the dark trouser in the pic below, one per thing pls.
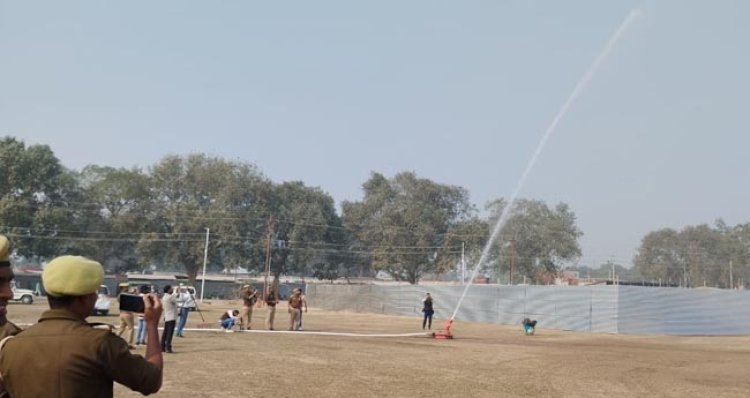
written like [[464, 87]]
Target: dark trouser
[[427, 320], [166, 336]]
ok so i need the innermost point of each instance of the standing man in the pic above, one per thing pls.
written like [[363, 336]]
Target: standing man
[[6, 292], [184, 300], [295, 309], [140, 338], [127, 318], [168, 302], [249, 298], [78, 360], [304, 304], [271, 300], [428, 312]]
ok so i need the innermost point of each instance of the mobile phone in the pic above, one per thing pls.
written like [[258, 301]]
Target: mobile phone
[[131, 303]]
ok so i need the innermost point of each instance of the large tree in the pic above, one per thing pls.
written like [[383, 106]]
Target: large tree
[[38, 199], [185, 192], [696, 256], [536, 240], [403, 223], [115, 215], [306, 229]]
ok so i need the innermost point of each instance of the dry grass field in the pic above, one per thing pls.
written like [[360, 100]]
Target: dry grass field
[[482, 361]]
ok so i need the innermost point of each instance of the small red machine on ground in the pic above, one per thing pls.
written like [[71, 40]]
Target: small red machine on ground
[[444, 334]]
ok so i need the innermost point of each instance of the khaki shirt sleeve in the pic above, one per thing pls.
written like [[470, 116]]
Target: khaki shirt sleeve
[[9, 329], [130, 370]]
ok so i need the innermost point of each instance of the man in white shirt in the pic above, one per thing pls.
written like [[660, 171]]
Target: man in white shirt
[[184, 300], [228, 319], [169, 305]]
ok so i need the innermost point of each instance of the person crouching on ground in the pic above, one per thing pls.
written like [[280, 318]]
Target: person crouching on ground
[[64, 356], [228, 319]]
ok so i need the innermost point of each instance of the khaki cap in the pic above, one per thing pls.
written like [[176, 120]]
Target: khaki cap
[[4, 249], [72, 276]]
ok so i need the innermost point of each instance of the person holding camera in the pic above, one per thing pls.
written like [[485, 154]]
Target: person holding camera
[[170, 318], [84, 361], [184, 301]]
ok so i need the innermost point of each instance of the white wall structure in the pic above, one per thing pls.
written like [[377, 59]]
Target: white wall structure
[[606, 309]]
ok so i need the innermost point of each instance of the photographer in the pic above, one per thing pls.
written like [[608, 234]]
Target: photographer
[[84, 361], [184, 301]]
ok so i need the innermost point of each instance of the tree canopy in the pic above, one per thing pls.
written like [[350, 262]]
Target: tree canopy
[[697, 256], [407, 226]]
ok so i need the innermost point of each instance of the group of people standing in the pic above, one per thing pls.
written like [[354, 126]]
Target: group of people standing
[[176, 304], [297, 302]]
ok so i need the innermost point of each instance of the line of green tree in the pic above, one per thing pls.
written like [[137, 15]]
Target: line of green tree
[[134, 219]]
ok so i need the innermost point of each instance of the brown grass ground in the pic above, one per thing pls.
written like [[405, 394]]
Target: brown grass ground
[[482, 361]]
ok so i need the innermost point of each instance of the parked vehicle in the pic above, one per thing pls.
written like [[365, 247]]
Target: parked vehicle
[[25, 296], [103, 301]]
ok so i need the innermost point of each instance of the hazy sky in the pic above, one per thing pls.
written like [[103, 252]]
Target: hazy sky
[[459, 92]]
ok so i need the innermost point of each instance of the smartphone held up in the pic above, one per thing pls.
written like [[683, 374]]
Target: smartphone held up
[[132, 303]]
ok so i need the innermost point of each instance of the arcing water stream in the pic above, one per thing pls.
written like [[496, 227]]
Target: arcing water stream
[[582, 83]]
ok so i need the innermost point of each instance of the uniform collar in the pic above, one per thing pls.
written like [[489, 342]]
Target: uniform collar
[[60, 314]]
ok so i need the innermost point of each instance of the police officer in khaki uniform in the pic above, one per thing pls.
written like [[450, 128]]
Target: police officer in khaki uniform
[[249, 297], [6, 293], [84, 360], [295, 308]]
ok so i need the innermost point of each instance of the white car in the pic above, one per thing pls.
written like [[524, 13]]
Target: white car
[[25, 296], [103, 301]]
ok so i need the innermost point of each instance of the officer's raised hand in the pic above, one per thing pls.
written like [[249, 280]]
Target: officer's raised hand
[[152, 308]]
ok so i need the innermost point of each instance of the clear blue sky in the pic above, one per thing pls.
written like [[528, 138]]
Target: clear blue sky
[[460, 92]]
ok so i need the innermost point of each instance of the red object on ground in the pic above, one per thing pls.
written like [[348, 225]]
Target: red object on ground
[[444, 334]]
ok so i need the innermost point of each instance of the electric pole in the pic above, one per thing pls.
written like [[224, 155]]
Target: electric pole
[[205, 260], [463, 264], [269, 235], [512, 251]]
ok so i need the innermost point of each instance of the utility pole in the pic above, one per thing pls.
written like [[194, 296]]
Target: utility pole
[[205, 260], [731, 277], [512, 252], [463, 264], [269, 235]]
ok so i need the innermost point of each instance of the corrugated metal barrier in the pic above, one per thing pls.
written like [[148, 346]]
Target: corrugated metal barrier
[[608, 309]]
